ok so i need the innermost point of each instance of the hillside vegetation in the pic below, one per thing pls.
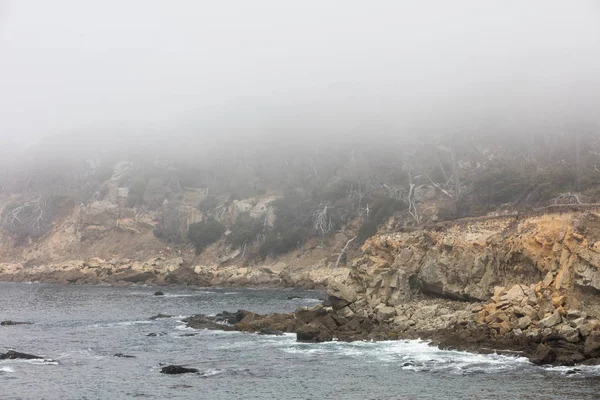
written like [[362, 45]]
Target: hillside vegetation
[[266, 198]]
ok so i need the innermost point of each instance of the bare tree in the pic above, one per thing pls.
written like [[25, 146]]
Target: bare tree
[[344, 250], [322, 219]]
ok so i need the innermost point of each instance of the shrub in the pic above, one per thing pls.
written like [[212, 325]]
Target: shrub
[[283, 241], [209, 203], [171, 227], [382, 208], [136, 192], [245, 230], [292, 226], [204, 233]]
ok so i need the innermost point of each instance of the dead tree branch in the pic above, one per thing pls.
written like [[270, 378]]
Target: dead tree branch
[[337, 262]]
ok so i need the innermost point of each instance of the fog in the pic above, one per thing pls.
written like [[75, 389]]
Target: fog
[[110, 70]]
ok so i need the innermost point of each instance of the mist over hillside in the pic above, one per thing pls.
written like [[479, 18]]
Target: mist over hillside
[[338, 117]]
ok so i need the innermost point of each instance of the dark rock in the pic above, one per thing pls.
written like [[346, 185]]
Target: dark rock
[[154, 317], [189, 334], [313, 333], [591, 348], [308, 315], [233, 318], [9, 323], [177, 369], [543, 354], [121, 355], [335, 302], [153, 334], [15, 355], [203, 322], [136, 277], [573, 371], [159, 293], [270, 331]]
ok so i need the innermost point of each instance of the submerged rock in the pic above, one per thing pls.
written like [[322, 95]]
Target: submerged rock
[[121, 355], [9, 323], [177, 369], [15, 355], [270, 331], [154, 317]]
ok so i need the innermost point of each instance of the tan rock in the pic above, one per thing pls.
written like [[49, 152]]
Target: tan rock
[[524, 322], [550, 321]]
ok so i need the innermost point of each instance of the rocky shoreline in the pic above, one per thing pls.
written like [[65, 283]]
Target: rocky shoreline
[[524, 284], [444, 324], [161, 271]]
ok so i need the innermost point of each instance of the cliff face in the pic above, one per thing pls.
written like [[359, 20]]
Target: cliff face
[[529, 279], [468, 259]]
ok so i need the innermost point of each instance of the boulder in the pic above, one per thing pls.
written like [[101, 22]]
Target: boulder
[[543, 354], [514, 295], [308, 315], [177, 369], [385, 313], [550, 320], [313, 333], [568, 333], [591, 348], [15, 355], [159, 293], [524, 322]]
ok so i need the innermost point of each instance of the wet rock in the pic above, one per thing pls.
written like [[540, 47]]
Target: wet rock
[[543, 354], [15, 355], [155, 317], [308, 315], [10, 323], [233, 318], [152, 334], [177, 369], [159, 293], [203, 322], [313, 333], [270, 331], [121, 355], [135, 277]]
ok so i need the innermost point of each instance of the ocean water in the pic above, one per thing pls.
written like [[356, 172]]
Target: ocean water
[[78, 329]]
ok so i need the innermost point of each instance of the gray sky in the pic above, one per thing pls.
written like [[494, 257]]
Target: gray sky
[[125, 66]]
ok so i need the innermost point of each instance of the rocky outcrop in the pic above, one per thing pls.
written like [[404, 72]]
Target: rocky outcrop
[[172, 271], [514, 282], [15, 355], [177, 369]]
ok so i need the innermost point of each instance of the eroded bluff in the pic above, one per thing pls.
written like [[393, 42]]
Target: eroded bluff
[[528, 283]]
